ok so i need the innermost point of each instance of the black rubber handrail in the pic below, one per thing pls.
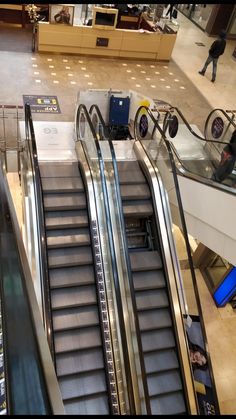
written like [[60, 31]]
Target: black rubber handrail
[[82, 108], [126, 252], [184, 229], [45, 283]]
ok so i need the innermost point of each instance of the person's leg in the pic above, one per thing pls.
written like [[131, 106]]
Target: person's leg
[[208, 61], [214, 62]]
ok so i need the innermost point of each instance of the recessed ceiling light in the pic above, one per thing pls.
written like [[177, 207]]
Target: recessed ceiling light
[[51, 66], [124, 64], [153, 86], [152, 66], [182, 87], [55, 81], [143, 71], [83, 68], [37, 81], [157, 72], [137, 85], [73, 82], [162, 79], [53, 74], [49, 59], [34, 65], [65, 61], [148, 78], [177, 80], [168, 87], [67, 67], [36, 72]]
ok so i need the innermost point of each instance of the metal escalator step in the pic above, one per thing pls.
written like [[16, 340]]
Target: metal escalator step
[[60, 185], [93, 405], [68, 238], [66, 219], [53, 169], [157, 340], [75, 340], [153, 319], [71, 318], [145, 260], [149, 280], [83, 385], [135, 192], [168, 404], [164, 382], [77, 362], [130, 172], [72, 256], [73, 296], [65, 201], [137, 209], [146, 300], [71, 276], [160, 360]]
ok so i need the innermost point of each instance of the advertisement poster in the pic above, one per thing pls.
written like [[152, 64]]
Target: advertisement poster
[[42, 104], [206, 395]]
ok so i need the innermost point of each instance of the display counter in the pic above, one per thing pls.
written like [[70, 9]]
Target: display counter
[[87, 40]]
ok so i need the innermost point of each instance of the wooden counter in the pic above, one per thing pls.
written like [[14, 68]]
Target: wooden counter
[[121, 42]]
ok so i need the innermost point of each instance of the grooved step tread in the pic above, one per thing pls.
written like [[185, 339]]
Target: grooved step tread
[[164, 382], [77, 362], [149, 280], [135, 192], [66, 219], [157, 340], [65, 201], [146, 300], [130, 173], [61, 170], [73, 296], [160, 361], [68, 238], [145, 260], [92, 405], [168, 404], [70, 318], [60, 185], [75, 340], [72, 256], [83, 385], [153, 319], [71, 276], [137, 209]]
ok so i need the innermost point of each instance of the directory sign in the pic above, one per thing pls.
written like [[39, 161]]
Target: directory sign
[[42, 104]]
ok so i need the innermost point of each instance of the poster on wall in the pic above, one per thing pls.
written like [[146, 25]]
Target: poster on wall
[[42, 104], [204, 386]]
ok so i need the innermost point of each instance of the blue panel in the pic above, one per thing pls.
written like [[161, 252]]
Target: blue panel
[[119, 110], [226, 289]]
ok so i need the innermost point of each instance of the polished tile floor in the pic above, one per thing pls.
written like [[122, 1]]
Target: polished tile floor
[[176, 82]]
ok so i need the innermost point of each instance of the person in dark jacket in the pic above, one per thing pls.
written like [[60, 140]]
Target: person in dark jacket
[[215, 51], [170, 10], [227, 162]]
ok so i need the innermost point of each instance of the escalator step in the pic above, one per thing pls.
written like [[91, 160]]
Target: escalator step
[[168, 404], [65, 201], [160, 361], [164, 382], [157, 340], [153, 319], [77, 362], [52, 169], [129, 172], [71, 276], [137, 209], [145, 261], [148, 280], [75, 340], [60, 185], [93, 405], [77, 317], [72, 256], [73, 297], [146, 300], [135, 192], [68, 238], [66, 219], [83, 385]]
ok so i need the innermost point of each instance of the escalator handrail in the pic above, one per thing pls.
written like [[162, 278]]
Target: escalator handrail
[[184, 228], [45, 283], [82, 108], [126, 252], [231, 121], [165, 125]]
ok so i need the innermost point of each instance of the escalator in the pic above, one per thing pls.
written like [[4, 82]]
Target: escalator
[[159, 347], [76, 329]]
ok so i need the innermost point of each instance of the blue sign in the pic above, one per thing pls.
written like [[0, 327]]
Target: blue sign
[[226, 289]]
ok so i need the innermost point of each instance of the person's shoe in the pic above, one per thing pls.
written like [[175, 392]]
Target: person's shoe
[[201, 72], [213, 80]]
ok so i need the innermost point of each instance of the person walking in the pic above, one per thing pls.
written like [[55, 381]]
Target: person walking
[[170, 10], [215, 51]]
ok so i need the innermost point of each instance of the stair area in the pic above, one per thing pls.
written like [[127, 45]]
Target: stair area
[[159, 351], [79, 357]]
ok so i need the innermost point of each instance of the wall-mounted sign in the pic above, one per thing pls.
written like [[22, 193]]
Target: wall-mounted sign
[[42, 104], [102, 42], [217, 127], [143, 126], [173, 126]]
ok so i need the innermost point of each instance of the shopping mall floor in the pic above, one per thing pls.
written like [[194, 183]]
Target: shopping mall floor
[[177, 82]]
